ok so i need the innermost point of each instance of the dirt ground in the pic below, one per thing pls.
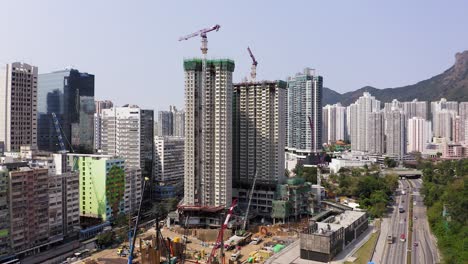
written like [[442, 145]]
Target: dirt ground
[[109, 256]]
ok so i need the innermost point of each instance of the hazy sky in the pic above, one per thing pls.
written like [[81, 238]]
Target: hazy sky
[[132, 47]]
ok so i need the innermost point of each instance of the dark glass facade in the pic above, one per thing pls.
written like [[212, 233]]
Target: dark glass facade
[[70, 95]]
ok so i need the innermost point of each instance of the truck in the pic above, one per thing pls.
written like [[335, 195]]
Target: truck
[[256, 240], [390, 239], [235, 255]]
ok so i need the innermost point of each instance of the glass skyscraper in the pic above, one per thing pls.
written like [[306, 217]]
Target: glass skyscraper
[[70, 95]]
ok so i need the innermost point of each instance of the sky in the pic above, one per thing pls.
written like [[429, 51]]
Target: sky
[[132, 47]]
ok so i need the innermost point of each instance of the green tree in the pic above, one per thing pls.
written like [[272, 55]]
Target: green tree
[[115, 187], [105, 239], [389, 162]]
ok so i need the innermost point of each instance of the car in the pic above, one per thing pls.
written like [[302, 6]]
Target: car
[[402, 201], [402, 238], [415, 244]]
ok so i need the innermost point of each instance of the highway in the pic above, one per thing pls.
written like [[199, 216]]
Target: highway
[[426, 249], [396, 252]]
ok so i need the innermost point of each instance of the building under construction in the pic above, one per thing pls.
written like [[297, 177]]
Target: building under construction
[[293, 199], [259, 117]]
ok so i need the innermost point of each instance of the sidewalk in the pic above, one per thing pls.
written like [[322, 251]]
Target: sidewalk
[[382, 242]]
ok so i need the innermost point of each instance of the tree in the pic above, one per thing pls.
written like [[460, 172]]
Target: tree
[[287, 173], [105, 239], [172, 204], [310, 174], [115, 187], [390, 163]]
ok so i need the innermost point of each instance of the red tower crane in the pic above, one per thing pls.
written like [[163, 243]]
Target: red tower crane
[[253, 72], [219, 240]]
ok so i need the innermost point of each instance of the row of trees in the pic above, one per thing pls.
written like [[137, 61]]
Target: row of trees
[[446, 197], [372, 190]]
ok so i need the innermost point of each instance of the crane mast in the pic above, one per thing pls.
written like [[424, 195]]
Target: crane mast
[[253, 70]]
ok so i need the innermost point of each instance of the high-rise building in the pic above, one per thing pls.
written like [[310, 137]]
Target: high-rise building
[[165, 123], [126, 133], [258, 139], [419, 134], [334, 123], [70, 95], [5, 248], [395, 132], [208, 132], [18, 106], [463, 112], [415, 108], [376, 133], [168, 167], [304, 103], [147, 142], [443, 123], [358, 121], [443, 104], [99, 105], [29, 208], [178, 122]]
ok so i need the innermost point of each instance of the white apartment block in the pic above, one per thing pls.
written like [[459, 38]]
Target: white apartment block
[[359, 113], [395, 132], [443, 123], [463, 113], [376, 133], [334, 123], [208, 132], [18, 106], [419, 134], [169, 160], [259, 131], [443, 104], [120, 134]]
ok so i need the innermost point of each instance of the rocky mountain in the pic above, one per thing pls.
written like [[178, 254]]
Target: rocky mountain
[[451, 84]]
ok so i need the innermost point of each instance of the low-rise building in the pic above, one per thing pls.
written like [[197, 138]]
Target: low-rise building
[[322, 241]]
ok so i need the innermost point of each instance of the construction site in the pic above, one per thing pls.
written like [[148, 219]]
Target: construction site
[[203, 230]]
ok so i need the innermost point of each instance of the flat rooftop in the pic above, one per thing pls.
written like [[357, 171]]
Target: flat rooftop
[[348, 217]]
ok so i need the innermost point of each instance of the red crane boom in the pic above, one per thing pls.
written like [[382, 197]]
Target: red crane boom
[[218, 243], [253, 72]]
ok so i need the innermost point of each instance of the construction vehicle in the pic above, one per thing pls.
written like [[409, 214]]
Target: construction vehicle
[[253, 71], [219, 240]]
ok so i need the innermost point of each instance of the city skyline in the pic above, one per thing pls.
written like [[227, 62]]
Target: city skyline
[[106, 53]]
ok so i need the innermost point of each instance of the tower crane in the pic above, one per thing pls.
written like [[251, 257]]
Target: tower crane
[[219, 240], [202, 34], [253, 71]]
